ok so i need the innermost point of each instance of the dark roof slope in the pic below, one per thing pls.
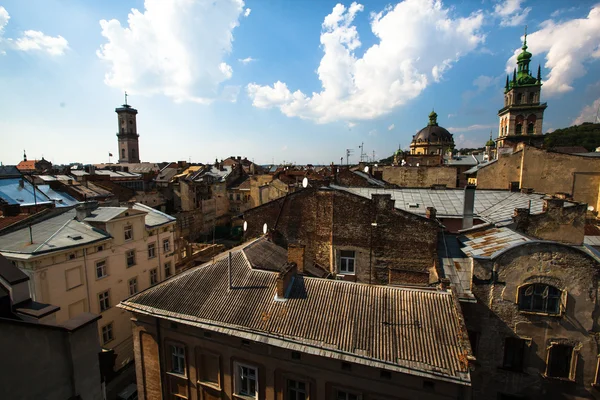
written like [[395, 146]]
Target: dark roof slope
[[413, 331], [263, 254], [11, 274]]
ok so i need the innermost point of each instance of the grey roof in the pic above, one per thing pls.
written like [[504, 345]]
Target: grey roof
[[493, 206], [9, 171], [78, 172], [105, 214], [478, 167], [57, 233], [591, 240], [370, 179], [491, 242], [264, 254], [12, 192], [214, 172], [60, 199], [471, 159], [11, 273], [590, 154], [117, 174], [413, 331], [154, 217], [456, 266]]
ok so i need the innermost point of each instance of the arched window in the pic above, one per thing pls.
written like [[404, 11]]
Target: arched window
[[518, 128], [539, 297], [530, 128]]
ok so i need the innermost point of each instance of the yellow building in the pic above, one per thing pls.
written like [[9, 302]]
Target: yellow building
[[433, 139], [90, 258]]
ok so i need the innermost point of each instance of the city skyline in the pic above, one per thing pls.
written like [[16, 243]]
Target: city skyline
[[375, 72]]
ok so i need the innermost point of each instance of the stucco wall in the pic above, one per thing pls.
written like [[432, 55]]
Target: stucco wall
[[419, 176]]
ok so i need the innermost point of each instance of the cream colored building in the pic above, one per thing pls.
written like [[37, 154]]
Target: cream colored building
[[91, 258]]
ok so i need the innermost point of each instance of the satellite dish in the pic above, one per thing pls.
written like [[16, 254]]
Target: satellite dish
[[375, 165], [417, 164], [245, 226], [367, 169], [265, 228], [305, 182], [590, 208]]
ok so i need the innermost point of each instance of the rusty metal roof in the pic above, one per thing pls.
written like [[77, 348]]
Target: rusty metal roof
[[413, 331], [489, 242]]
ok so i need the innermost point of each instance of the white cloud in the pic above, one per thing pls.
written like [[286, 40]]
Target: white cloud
[[247, 12], [31, 40], [246, 60], [451, 116], [463, 142], [483, 82], [373, 132], [476, 127], [175, 48], [567, 45], [390, 73], [511, 13], [588, 113], [351, 125], [392, 126]]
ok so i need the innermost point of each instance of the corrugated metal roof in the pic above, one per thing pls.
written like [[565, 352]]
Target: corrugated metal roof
[[12, 192], [263, 254], [60, 199], [489, 242], [415, 331], [457, 267], [154, 217], [369, 178], [494, 206]]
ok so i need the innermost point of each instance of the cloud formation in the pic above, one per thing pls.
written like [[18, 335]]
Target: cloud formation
[[246, 60], [175, 48], [390, 73], [511, 13], [589, 113], [31, 40], [392, 126], [567, 46]]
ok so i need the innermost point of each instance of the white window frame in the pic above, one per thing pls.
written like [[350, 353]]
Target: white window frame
[[178, 364], [154, 271], [166, 245], [103, 268], [239, 391], [104, 298], [127, 253], [151, 251], [107, 331], [133, 284], [343, 263], [128, 232]]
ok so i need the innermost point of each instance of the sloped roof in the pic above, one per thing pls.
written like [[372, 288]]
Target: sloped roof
[[263, 254], [490, 242], [26, 165], [493, 206], [105, 214], [413, 331], [154, 217], [9, 171], [60, 199], [12, 192]]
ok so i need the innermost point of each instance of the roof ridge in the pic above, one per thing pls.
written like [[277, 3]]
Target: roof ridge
[[53, 235]]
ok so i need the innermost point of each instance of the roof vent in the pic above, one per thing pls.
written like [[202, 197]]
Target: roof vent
[[413, 205], [77, 237]]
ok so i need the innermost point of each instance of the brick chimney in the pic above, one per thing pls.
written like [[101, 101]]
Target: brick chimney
[[431, 212], [383, 201], [296, 256], [285, 280], [552, 203]]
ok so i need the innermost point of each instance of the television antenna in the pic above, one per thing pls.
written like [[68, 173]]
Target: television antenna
[[348, 153], [363, 155]]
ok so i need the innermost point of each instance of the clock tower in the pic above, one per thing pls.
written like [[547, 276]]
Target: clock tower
[[520, 120], [127, 134]]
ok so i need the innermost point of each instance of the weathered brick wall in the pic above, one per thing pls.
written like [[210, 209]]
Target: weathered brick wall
[[501, 173], [495, 317], [419, 176], [561, 224], [327, 221]]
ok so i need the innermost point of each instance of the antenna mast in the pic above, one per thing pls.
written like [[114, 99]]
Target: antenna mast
[[348, 153], [363, 155]]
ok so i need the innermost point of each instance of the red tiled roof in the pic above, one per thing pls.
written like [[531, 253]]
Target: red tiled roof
[[26, 165]]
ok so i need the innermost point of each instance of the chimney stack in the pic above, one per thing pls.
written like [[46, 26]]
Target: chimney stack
[[296, 256], [285, 280], [85, 209], [430, 212], [469, 205], [383, 201]]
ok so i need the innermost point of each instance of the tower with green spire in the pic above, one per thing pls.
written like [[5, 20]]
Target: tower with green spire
[[520, 120]]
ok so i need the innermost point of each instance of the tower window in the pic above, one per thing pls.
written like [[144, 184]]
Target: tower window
[[519, 98], [530, 128], [518, 129], [531, 97], [122, 153]]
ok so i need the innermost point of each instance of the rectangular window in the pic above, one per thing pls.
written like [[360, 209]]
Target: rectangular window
[[153, 276], [166, 245], [237, 196], [296, 390], [107, 333], [151, 250], [104, 301], [130, 258], [167, 269], [133, 288], [561, 362], [210, 369], [246, 381], [514, 352], [347, 258], [100, 248], [346, 395], [128, 232], [101, 269], [474, 339], [177, 359]]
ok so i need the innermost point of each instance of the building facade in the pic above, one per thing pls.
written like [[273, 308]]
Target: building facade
[[89, 259], [520, 120]]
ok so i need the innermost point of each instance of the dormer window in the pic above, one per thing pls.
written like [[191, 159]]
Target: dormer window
[[539, 297]]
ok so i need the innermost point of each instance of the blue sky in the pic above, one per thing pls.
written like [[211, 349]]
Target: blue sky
[[294, 81]]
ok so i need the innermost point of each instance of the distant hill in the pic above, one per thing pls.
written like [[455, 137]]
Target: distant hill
[[586, 135]]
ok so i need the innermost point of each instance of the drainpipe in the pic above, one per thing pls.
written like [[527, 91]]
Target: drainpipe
[[158, 252], [87, 285]]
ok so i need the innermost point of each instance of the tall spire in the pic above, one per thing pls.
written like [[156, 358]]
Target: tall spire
[[539, 74], [24, 155], [525, 40], [506, 87], [126, 97], [514, 81]]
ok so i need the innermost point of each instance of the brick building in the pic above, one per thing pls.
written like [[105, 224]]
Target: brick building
[[361, 239], [230, 330]]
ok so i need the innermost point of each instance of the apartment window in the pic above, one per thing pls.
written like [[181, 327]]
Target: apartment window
[[130, 258], [101, 269], [246, 381], [153, 276], [210, 369], [133, 288], [71, 256], [237, 197], [128, 232], [104, 301], [177, 359], [107, 333], [347, 259], [230, 196], [296, 390], [561, 361], [100, 248], [166, 245], [539, 297], [346, 395], [151, 250], [167, 269], [514, 352]]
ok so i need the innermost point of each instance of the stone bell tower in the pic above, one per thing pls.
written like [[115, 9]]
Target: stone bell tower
[[520, 120], [129, 151]]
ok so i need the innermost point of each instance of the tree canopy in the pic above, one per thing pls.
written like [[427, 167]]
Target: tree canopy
[[586, 135]]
